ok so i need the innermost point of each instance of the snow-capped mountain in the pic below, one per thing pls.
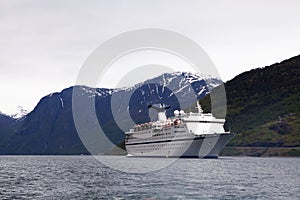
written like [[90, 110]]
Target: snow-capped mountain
[[51, 123], [178, 89], [176, 80]]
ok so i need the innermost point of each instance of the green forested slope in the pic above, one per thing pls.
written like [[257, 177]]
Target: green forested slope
[[259, 100]]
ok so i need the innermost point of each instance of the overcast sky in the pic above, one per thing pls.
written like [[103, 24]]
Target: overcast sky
[[43, 44]]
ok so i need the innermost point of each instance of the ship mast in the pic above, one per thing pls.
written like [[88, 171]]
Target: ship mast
[[199, 108]]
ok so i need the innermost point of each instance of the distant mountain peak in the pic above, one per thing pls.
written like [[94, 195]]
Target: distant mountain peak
[[168, 79], [21, 112]]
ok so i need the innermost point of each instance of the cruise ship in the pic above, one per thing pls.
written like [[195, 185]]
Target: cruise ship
[[197, 135]]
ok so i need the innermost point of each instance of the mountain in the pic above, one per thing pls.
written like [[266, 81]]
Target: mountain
[[6, 130], [263, 106], [50, 128], [21, 112]]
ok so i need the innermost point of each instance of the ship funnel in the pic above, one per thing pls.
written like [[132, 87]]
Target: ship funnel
[[161, 109]]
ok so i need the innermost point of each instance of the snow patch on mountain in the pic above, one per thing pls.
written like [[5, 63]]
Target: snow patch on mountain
[[1, 113], [20, 113], [61, 102]]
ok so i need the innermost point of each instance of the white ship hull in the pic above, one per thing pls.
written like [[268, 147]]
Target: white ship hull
[[180, 145]]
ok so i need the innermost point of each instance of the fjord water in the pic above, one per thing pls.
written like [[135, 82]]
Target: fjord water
[[83, 177]]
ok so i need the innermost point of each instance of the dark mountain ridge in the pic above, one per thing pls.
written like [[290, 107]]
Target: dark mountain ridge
[[6, 130]]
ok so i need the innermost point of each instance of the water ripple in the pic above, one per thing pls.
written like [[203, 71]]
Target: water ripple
[[82, 177]]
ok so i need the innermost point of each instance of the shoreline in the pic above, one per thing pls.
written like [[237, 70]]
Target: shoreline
[[227, 151], [261, 151]]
